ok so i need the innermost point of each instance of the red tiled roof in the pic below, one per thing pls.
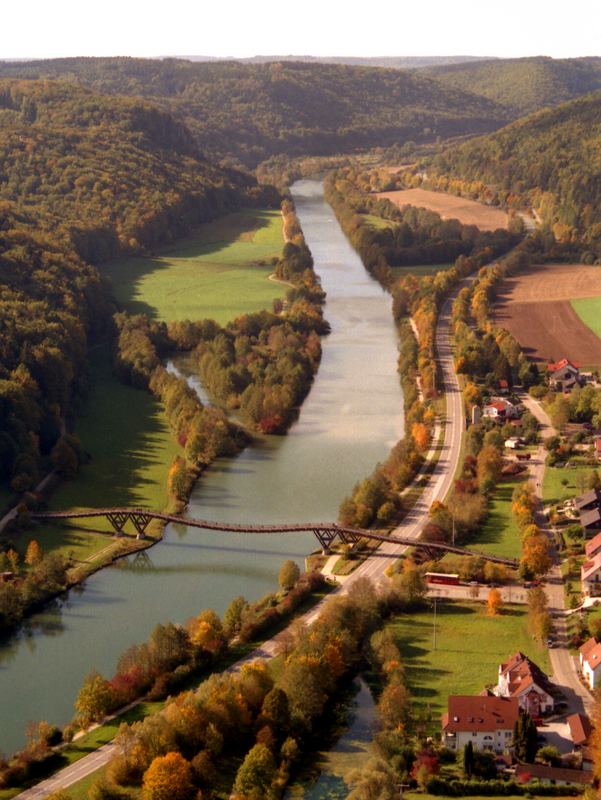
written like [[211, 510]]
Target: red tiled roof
[[593, 545], [522, 673], [561, 364], [580, 728], [590, 567], [477, 713], [591, 653]]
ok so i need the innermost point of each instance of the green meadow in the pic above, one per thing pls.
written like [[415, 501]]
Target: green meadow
[[459, 663], [589, 311], [219, 272]]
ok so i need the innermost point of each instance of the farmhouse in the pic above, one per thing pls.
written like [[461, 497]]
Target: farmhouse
[[555, 776], [523, 679], [563, 375], [590, 662], [484, 720]]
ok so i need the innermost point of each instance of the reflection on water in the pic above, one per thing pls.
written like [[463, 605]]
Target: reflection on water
[[347, 424]]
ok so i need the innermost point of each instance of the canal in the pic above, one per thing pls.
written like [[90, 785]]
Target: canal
[[348, 423]]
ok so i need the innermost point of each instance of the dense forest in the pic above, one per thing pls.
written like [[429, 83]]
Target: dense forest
[[82, 178], [524, 84], [550, 160], [249, 112]]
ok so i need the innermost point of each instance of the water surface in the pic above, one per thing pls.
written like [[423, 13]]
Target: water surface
[[348, 422]]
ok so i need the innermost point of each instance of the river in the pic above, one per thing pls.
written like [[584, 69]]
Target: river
[[350, 419]]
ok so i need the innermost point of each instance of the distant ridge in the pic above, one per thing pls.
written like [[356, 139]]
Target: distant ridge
[[389, 62]]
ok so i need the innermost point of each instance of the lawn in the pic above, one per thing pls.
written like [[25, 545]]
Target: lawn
[[575, 478], [419, 270], [131, 448], [220, 272], [500, 535], [589, 311], [377, 222], [470, 645]]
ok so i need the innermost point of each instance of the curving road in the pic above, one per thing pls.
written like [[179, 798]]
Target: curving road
[[373, 568]]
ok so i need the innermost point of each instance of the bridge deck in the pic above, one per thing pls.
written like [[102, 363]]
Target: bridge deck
[[330, 528]]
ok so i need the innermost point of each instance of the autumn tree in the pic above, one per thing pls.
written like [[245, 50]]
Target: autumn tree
[[421, 436], [169, 777], [95, 698], [256, 774], [33, 554], [288, 575], [494, 602]]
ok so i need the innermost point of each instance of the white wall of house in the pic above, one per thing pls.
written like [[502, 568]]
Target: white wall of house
[[498, 741]]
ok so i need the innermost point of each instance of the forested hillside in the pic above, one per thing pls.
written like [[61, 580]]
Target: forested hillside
[[82, 177], [524, 84], [252, 111], [550, 160]]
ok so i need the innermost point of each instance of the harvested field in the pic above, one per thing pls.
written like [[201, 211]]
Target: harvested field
[[449, 206], [535, 307]]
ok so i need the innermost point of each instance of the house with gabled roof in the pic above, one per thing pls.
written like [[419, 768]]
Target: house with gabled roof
[[523, 679], [593, 546], [590, 576], [563, 375], [589, 656], [484, 720]]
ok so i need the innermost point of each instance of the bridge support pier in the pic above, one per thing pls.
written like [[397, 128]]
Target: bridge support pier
[[325, 539], [117, 520], [140, 522]]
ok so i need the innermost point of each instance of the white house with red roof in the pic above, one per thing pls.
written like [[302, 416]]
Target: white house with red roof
[[484, 720], [590, 662], [501, 409], [590, 575], [523, 679], [563, 375]]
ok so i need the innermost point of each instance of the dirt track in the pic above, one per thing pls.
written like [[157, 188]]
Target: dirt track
[[535, 307], [449, 206]]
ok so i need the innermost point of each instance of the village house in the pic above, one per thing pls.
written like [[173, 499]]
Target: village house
[[500, 409], [523, 679], [590, 575], [597, 445], [555, 776], [588, 501], [590, 662], [484, 720], [593, 547], [563, 375], [591, 521], [514, 443]]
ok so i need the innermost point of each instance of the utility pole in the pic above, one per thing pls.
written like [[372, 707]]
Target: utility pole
[[453, 535]]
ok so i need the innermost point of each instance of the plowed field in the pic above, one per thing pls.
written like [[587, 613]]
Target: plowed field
[[535, 307], [468, 212]]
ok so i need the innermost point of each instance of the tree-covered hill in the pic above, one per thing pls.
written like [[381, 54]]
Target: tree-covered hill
[[551, 159], [82, 178], [523, 85], [252, 111]]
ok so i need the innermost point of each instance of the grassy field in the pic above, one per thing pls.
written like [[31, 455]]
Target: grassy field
[[589, 311], [215, 273], [419, 270], [575, 478], [500, 534], [460, 664], [126, 433]]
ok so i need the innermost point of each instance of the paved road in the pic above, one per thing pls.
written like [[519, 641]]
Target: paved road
[[564, 664], [373, 568]]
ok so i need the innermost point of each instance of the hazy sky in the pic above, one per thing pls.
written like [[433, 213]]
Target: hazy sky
[[50, 28]]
